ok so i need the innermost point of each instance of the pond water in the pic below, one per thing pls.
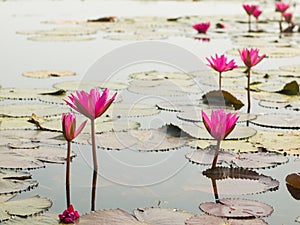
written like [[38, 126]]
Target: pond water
[[128, 179]]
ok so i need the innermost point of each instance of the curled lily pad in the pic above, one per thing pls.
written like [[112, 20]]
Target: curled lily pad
[[291, 88], [293, 179], [140, 140], [282, 121], [245, 160], [15, 181], [26, 110], [26, 207], [237, 208], [223, 98], [207, 219], [48, 73]]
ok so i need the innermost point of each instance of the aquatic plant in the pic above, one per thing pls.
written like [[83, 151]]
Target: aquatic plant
[[250, 58], [201, 27], [220, 64], [257, 12], [281, 7], [249, 8], [70, 133], [219, 126]]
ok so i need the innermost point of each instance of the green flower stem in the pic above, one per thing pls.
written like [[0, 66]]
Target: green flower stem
[[248, 90], [214, 163], [95, 162], [68, 174]]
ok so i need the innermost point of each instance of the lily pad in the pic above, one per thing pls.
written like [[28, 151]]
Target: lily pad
[[281, 142], [291, 68], [157, 75], [48, 73], [53, 38], [131, 110], [24, 94], [16, 161], [293, 179], [45, 219], [26, 207], [222, 98], [15, 123], [61, 31], [295, 106], [179, 105], [26, 110], [245, 160], [207, 219], [237, 208], [12, 182], [140, 140], [282, 121], [154, 216], [87, 85]]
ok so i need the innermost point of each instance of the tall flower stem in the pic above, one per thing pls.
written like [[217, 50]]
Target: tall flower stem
[[95, 162], [220, 80], [248, 90], [249, 23], [68, 174], [214, 163], [94, 188], [215, 188]]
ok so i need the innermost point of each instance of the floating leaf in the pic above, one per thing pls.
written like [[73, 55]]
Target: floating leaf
[[207, 219], [179, 106], [222, 98], [15, 123], [26, 110], [282, 121], [12, 160], [140, 140], [291, 68], [52, 38], [281, 142], [131, 110], [293, 179], [237, 208], [26, 207], [111, 217], [15, 181], [245, 160], [197, 130], [49, 154], [61, 31], [240, 146], [44, 219], [154, 216], [23, 94], [295, 106], [48, 73], [157, 75]]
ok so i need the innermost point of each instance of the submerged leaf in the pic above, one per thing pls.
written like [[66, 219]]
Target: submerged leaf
[[223, 98], [237, 208]]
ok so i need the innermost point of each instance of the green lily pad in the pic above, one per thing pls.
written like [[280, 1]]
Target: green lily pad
[[48, 73], [13, 182], [282, 121], [207, 219], [237, 208], [26, 207]]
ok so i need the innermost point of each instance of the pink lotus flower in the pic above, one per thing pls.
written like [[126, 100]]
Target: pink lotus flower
[[249, 8], [92, 104], [281, 6], [220, 64], [220, 124], [257, 12], [202, 27], [251, 57], [69, 215], [69, 126], [288, 16]]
